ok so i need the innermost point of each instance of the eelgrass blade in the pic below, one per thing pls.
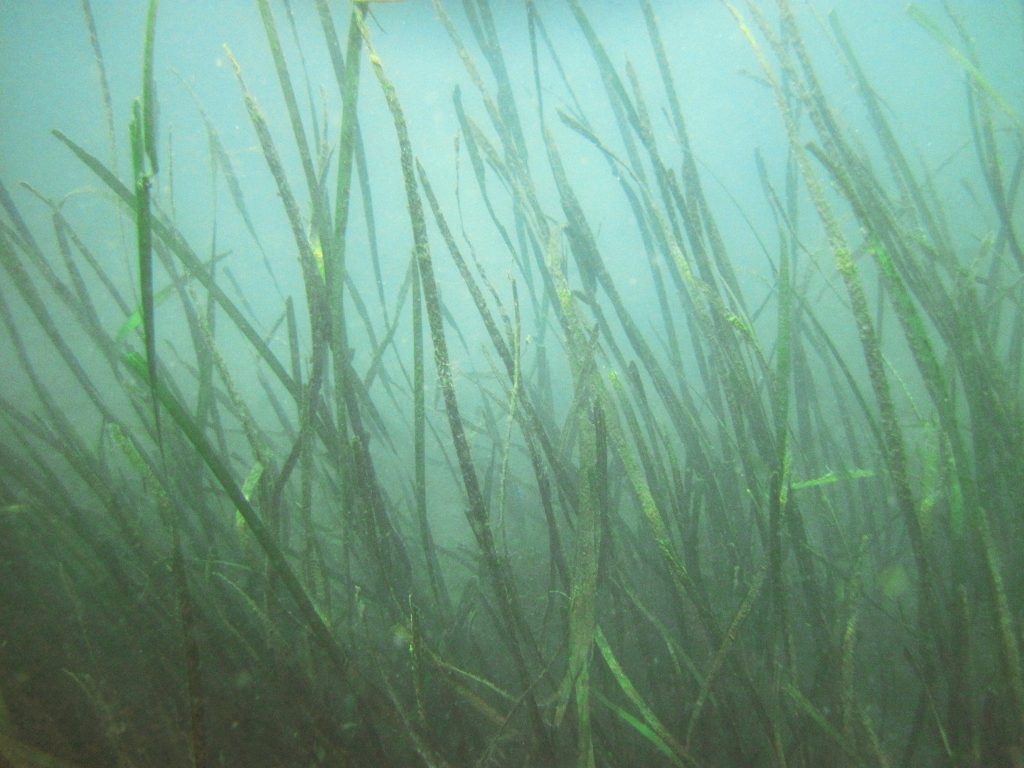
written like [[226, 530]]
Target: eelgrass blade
[[144, 237], [420, 446], [682, 581], [223, 162], [194, 683], [253, 520], [587, 417], [347, 414], [81, 302], [891, 432], [291, 104], [149, 103], [642, 728], [101, 68], [40, 310], [503, 587], [307, 261], [969, 66], [59, 434], [532, 424], [729, 639], [893, 154], [657, 734], [820, 719]]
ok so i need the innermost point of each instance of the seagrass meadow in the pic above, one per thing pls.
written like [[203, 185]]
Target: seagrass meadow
[[522, 383]]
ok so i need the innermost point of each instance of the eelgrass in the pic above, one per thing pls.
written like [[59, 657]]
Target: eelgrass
[[685, 554]]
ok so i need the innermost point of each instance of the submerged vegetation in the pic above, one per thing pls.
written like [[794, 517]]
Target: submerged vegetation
[[723, 526]]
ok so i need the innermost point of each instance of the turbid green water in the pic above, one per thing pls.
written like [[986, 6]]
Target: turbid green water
[[519, 384]]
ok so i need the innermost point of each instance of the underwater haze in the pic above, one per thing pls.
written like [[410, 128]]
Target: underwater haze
[[520, 383]]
